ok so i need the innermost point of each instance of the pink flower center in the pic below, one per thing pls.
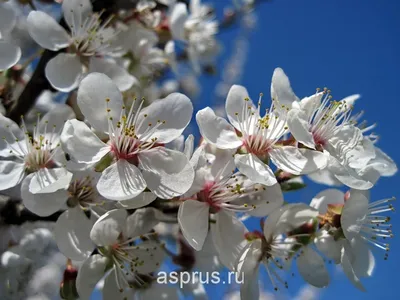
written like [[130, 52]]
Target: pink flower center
[[207, 194], [319, 140], [257, 145]]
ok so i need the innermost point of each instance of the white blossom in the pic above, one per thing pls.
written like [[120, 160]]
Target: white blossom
[[88, 39], [9, 53], [115, 234], [35, 160], [257, 137], [135, 141]]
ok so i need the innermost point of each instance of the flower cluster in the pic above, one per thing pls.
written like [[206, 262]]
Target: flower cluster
[[116, 167]]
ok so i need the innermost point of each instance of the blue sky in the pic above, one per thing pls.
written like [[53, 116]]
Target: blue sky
[[350, 47]]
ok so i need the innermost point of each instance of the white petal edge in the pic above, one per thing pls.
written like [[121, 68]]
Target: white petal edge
[[46, 31], [121, 181], [281, 89], [64, 72], [312, 268], [229, 238], [168, 173], [72, 234], [217, 130], [300, 128], [328, 196], [89, 274], [118, 74], [193, 220], [81, 143], [298, 161], [49, 180], [176, 110], [108, 227], [11, 174], [257, 171], [42, 204], [10, 55], [96, 94]]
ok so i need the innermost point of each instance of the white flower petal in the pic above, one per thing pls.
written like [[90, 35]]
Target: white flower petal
[[344, 140], [228, 235], [350, 177], [145, 198], [118, 74], [217, 130], [267, 201], [56, 118], [270, 225], [49, 180], [189, 146], [288, 217], [121, 181], [89, 274], [75, 12], [151, 253], [281, 89], [11, 174], [300, 128], [298, 161], [312, 268], [193, 220], [82, 144], [7, 18], [257, 171], [9, 132], [207, 259], [64, 72], [324, 176], [141, 221], [177, 144], [177, 19], [46, 31], [222, 162], [108, 227], [364, 263], [168, 173], [363, 181], [348, 270], [243, 254], [249, 270], [198, 159], [354, 212], [329, 196], [111, 290], [237, 101], [350, 100], [42, 204], [176, 110], [72, 234], [362, 154], [53, 122], [327, 245], [93, 92], [9, 55], [383, 163], [309, 104]]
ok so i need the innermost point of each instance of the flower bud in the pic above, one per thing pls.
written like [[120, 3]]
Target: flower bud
[[68, 285]]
